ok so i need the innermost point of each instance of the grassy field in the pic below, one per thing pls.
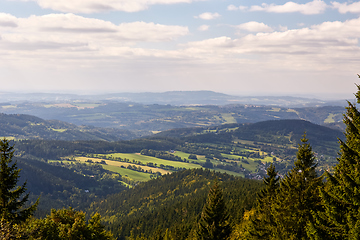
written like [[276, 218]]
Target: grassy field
[[121, 167], [115, 167], [229, 172], [119, 164], [147, 159], [251, 166], [228, 117], [57, 130], [136, 159], [330, 118], [137, 176]]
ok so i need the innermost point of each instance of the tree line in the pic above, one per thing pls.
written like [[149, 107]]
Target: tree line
[[303, 205]]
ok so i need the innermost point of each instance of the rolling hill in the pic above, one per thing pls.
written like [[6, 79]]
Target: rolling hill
[[22, 126], [173, 202], [148, 119]]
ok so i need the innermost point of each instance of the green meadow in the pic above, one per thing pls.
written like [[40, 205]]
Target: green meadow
[[148, 159], [134, 175]]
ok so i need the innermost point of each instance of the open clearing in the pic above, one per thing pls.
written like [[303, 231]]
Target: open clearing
[[148, 159], [134, 175], [119, 164]]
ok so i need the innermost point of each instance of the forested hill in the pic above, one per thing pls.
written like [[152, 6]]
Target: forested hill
[[22, 126], [262, 135], [173, 202], [267, 131], [292, 128]]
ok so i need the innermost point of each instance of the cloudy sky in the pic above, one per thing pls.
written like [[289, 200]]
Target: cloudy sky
[[308, 48]]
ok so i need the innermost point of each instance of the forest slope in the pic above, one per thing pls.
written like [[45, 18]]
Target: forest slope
[[173, 202]]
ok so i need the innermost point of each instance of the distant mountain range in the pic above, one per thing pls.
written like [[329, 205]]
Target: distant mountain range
[[145, 120], [176, 98]]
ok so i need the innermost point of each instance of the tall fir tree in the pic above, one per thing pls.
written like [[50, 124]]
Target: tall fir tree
[[12, 204], [298, 196], [214, 220], [340, 218], [263, 224]]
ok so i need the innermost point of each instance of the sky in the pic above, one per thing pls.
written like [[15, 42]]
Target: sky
[[283, 48]]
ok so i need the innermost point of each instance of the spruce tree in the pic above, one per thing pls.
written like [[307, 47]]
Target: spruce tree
[[298, 196], [340, 218], [263, 225], [12, 206], [214, 224]]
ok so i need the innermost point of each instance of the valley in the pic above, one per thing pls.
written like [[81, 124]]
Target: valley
[[95, 153]]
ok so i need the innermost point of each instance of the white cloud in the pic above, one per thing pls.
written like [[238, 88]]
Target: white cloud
[[68, 47], [208, 16], [314, 7], [330, 45], [283, 28], [7, 20], [72, 34], [203, 28], [345, 7], [255, 27], [94, 6], [234, 8]]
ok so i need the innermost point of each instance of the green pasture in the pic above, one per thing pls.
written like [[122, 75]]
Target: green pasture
[[236, 157], [9, 106], [200, 158], [251, 166], [137, 176], [58, 129], [330, 118], [228, 117], [95, 116], [229, 172], [147, 159], [274, 110], [181, 154]]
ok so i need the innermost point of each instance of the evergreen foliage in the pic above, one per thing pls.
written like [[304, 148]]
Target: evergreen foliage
[[298, 196], [12, 204], [214, 220], [341, 196], [284, 211], [262, 226], [174, 202]]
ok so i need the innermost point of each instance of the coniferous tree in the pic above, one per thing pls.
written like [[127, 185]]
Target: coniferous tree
[[298, 196], [12, 206], [263, 225], [340, 218], [214, 224]]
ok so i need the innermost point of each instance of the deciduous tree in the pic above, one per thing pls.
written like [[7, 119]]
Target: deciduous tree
[[68, 224]]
